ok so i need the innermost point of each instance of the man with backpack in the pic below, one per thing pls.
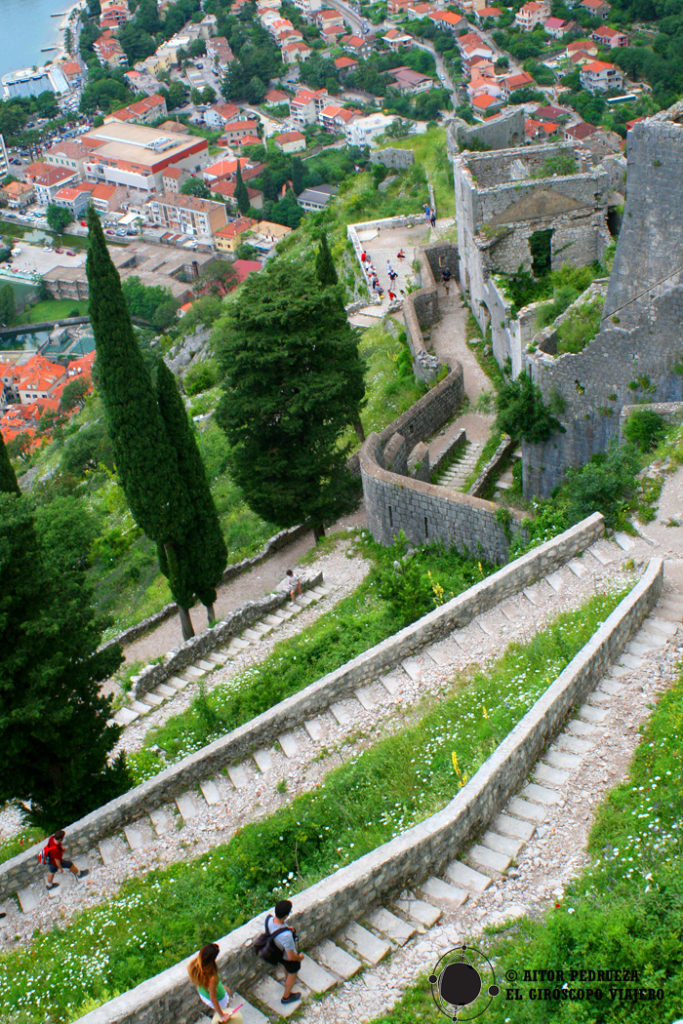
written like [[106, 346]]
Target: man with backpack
[[52, 856], [277, 945]]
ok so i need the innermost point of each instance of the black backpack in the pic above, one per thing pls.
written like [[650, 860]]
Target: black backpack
[[265, 947]]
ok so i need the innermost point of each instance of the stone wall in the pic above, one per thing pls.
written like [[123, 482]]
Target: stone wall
[[427, 513], [499, 132], [421, 308], [399, 159], [288, 714], [211, 639], [638, 353], [490, 470], [425, 849], [457, 441]]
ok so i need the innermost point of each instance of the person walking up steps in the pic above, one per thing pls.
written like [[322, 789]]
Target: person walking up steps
[[203, 974], [277, 945], [52, 856]]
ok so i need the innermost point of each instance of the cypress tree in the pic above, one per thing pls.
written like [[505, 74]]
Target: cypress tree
[[55, 734], [8, 481], [293, 383], [146, 462], [203, 549], [324, 264], [241, 194]]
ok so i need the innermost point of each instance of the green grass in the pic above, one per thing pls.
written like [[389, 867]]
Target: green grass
[[19, 842], [390, 383], [430, 152], [53, 309], [580, 326], [156, 920], [624, 911], [380, 606]]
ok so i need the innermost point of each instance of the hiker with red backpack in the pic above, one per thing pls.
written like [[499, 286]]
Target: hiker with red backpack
[[52, 856], [277, 945]]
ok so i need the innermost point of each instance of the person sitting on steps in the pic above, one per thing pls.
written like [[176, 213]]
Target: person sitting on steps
[[293, 583], [54, 857], [203, 974]]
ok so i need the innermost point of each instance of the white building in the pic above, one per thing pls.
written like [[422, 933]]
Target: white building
[[4, 159], [364, 130]]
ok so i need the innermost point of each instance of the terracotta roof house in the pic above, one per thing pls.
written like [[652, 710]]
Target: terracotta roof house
[[608, 36], [598, 8], [580, 131]]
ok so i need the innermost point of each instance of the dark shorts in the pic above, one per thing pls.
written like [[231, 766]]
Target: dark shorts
[[52, 868], [291, 966]]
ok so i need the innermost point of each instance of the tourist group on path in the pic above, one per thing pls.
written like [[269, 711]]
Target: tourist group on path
[[373, 279]]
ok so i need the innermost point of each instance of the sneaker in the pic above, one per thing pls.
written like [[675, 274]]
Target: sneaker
[[82, 874], [293, 997], [52, 885]]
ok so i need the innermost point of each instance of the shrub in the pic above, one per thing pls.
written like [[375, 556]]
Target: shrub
[[580, 327], [522, 412], [200, 376], [645, 429], [607, 484]]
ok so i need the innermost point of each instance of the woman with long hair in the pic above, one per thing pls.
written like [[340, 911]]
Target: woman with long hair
[[204, 976]]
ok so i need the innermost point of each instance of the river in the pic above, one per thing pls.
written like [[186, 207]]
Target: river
[[26, 28]]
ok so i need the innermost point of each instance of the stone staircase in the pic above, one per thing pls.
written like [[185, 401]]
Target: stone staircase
[[457, 473], [149, 702], [364, 943]]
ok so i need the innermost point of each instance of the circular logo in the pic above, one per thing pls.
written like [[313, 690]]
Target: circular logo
[[461, 978]]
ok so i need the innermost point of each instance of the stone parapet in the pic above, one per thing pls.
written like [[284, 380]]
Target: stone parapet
[[411, 857]]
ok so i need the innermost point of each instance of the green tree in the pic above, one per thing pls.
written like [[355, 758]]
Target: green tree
[[241, 193], [324, 264], [58, 217], [54, 723], [522, 413], [203, 548], [8, 309], [195, 187], [146, 462], [73, 395], [8, 480], [293, 383]]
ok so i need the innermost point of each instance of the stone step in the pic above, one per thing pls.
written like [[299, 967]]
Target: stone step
[[336, 959], [142, 709], [368, 946], [446, 652], [217, 657], [556, 580], [113, 849], [601, 554], [345, 712], [642, 647], [237, 644], [549, 776], [484, 859], [189, 805], [162, 820], [582, 729], [466, 877], [289, 743], [210, 792], [177, 682], [273, 620], [577, 567], [316, 728], [269, 992], [367, 697], [664, 626], [165, 691], [252, 635], [525, 809], [518, 828], [125, 716], [625, 542], [317, 978], [263, 759], [501, 843], [443, 894], [390, 926], [394, 682], [138, 835], [205, 666], [573, 744], [237, 774], [653, 636], [598, 698], [629, 661], [250, 1014], [561, 759], [192, 672], [318, 592], [303, 600], [29, 897], [422, 913], [540, 794], [610, 686], [152, 699], [589, 714], [415, 667]]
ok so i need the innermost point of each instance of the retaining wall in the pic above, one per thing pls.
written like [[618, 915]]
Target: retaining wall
[[215, 636], [458, 440], [265, 728], [489, 471], [411, 857]]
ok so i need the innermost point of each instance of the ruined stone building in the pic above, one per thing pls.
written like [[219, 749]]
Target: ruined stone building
[[637, 355], [513, 212]]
